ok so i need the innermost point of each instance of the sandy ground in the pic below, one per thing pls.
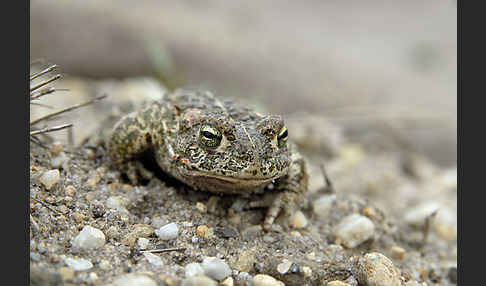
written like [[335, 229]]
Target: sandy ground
[[394, 188]]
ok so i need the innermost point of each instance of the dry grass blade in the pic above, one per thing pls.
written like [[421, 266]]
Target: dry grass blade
[[42, 72], [50, 129], [50, 115], [42, 92]]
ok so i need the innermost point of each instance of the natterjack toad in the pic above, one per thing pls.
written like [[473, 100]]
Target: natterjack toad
[[213, 145]]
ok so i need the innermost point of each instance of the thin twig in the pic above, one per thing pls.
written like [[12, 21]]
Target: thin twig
[[67, 109], [44, 204], [42, 92], [329, 186], [163, 250], [428, 221], [43, 72], [41, 84], [35, 140], [50, 129]]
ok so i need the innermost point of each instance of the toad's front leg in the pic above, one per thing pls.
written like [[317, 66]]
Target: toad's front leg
[[291, 191], [131, 137]]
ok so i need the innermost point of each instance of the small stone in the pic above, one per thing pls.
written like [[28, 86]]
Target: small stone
[[118, 203], [369, 212], [143, 243], [134, 279], [168, 231], [416, 216], [193, 269], [354, 230], [59, 160], [245, 261], [251, 232], [351, 281], [89, 238], [78, 264], [158, 222], [153, 259], [70, 191], [201, 207], [35, 256], [141, 230], [284, 267], [269, 238], [243, 278], [168, 280], [306, 271], [295, 233], [298, 220], [50, 178], [375, 269], [323, 205], [265, 280], [194, 239], [202, 231], [228, 232], [199, 280], [397, 252], [112, 232], [56, 148], [215, 268], [105, 265], [93, 180], [66, 273], [93, 276], [337, 283], [228, 282]]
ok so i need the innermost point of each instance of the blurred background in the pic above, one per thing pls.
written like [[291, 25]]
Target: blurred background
[[384, 70]]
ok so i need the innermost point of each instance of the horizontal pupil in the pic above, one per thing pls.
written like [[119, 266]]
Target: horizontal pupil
[[209, 135], [283, 135]]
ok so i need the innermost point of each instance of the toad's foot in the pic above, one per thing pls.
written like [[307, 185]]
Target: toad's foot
[[136, 171]]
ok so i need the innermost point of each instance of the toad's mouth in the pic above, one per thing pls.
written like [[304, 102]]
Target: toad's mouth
[[230, 179]]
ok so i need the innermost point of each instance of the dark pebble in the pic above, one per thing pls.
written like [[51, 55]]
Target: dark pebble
[[228, 232], [294, 268]]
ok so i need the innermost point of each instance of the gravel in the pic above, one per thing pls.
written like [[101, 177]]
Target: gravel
[[193, 269], [89, 238], [133, 279], [153, 259], [354, 230], [168, 231], [375, 269], [50, 178], [78, 264], [215, 268]]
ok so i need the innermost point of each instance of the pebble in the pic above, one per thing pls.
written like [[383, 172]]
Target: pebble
[[199, 280], [78, 264], [70, 191], [105, 265], [416, 216], [143, 243], [35, 256], [59, 160], [375, 269], [168, 231], [215, 268], [118, 203], [265, 280], [337, 283], [228, 282], [56, 148], [397, 252], [201, 207], [306, 271], [193, 269], [354, 230], [323, 205], [89, 238], [284, 267], [298, 220], [245, 261], [134, 279], [202, 231], [153, 259], [50, 178], [251, 232], [158, 222]]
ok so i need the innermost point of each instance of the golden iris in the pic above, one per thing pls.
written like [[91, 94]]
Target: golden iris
[[210, 136], [282, 136]]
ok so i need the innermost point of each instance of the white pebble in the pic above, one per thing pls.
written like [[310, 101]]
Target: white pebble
[[193, 269], [265, 280], [142, 242], [375, 269], [50, 178], [323, 205], [199, 280], [78, 264], [168, 231], [118, 203], [153, 259], [59, 160], [298, 220], [134, 279], [228, 282], [215, 268], [417, 215], [89, 238], [354, 230], [284, 267]]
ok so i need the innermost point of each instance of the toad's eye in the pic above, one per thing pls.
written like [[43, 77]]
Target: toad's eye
[[209, 136], [282, 136]]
